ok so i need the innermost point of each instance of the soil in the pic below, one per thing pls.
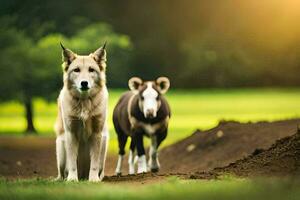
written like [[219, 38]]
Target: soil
[[281, 159], [250, 149], [222, 145]]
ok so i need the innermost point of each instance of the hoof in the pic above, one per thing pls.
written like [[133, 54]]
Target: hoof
[[154, 170], [119, 174]]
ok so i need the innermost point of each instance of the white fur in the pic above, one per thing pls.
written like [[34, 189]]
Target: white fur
[[142, 164], [98, 155], [68, 142], [61, 156], [119, 165], [72, 154], [103, 151], [131, 162], [150, 102]]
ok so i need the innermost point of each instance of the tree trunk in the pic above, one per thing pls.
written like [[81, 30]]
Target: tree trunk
[[29, 117]]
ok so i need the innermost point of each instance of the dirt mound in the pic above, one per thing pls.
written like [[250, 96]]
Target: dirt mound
[[281, 159], [225, 144]]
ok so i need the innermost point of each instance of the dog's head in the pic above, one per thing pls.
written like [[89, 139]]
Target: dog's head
[[149, 93], [84, 75]]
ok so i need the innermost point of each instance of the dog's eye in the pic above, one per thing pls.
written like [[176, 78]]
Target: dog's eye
[[76, 70], [91, 69]]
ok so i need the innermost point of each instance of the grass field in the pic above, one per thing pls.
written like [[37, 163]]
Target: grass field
[[191, 109], [172, 188]]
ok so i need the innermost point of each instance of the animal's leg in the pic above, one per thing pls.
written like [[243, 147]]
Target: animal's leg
[[153, 162], [103, 152], [95, 149], [131, 157], [122, 139], [60, 157], [156, 140], [72, 154], [141, 159]]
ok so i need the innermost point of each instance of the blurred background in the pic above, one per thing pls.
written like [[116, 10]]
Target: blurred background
[[225, 59]]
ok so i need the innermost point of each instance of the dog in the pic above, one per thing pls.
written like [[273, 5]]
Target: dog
[[142, 111], [81, 125]]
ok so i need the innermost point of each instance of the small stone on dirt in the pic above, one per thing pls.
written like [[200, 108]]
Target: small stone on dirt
[[190, 148], [220, 133], [19, 163]]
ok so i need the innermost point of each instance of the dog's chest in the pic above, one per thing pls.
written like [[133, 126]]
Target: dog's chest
[[85, 128]]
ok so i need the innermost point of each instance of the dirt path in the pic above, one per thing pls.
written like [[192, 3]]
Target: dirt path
[[224, 149]]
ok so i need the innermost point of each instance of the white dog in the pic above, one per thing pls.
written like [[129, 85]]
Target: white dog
[[81, 125]]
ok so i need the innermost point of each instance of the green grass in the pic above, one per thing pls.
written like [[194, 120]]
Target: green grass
[[191, 109], [173, 188]]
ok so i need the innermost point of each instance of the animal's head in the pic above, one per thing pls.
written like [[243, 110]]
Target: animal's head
[[84, 75], [149, 94]]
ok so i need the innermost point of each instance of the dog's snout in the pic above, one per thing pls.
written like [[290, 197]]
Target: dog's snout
[[84, 85]]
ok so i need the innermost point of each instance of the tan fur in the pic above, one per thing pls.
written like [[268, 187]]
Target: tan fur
[[81, 124]]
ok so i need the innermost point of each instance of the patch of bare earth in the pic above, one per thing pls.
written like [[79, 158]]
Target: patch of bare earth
[[231, 147], [281, 159], [222, 145]]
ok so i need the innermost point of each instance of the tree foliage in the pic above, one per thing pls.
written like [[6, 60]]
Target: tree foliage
[[30, 68]]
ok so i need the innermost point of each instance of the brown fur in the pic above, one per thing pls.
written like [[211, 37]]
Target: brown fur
[[81, 124]]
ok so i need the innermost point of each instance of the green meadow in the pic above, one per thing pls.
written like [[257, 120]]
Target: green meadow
[[172, 188], [191, 110]]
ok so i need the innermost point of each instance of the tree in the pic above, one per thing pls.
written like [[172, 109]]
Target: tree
[[31, 69]]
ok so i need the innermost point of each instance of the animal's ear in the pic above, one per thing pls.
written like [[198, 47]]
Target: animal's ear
[[100, 56], [67, 56], [134, 83], [163, 84]]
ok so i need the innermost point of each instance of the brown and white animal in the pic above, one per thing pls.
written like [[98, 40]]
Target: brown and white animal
[[81, 125], [143, 111]]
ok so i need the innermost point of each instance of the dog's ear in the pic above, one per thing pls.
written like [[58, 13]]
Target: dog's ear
[[134, 83], [67, 56], [100, 56], [163, 84]]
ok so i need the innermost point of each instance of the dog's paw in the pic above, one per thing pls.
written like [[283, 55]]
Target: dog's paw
[[94, 179], [95, 176], [101, 176], [59, 178], [72, 178]]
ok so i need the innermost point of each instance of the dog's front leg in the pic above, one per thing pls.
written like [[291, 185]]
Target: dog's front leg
[[95, 149], [72, 154], [103, 151]]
